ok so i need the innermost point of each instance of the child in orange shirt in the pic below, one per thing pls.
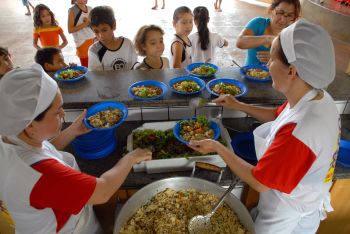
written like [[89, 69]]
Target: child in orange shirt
[[46, 29]]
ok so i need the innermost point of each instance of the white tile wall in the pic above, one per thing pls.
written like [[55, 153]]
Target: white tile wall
[[71, 114], [134, 114], [347, 108], [340, 106], [177, 113], [233, 114], [155, 114]]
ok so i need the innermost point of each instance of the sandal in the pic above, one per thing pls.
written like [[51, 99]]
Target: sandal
[[28, 13], [154, 8]]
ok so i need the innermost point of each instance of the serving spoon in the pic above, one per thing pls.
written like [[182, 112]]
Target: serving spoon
[[244, 70], [201, 223], [198, 102]]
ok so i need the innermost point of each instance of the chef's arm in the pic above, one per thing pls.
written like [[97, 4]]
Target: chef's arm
[[110, 181], [240, 168]]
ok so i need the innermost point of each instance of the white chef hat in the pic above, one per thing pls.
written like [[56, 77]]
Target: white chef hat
[[24, 94], [309, 48]]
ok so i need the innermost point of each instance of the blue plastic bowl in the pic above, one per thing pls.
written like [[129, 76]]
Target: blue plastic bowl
[[243, 145], [245, 68], [213, 125], [199, 81], [92, 140], [95, 153], [344, 153], [159, 84], [240, 85], [104, 106], [192, 66], [80, 68]]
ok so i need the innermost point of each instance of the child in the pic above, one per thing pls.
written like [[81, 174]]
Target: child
[[27, 4], [6, 63], [78, 25], [51, 59], [46, 28], [181, 44], [149, 43], [109, 52], [203, 41]]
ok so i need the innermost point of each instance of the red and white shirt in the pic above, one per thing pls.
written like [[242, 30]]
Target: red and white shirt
[[50, 198]]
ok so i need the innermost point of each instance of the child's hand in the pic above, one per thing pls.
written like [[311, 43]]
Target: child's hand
[[86, 21], [73, 64]]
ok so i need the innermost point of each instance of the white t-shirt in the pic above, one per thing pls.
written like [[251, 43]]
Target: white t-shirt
[[186, 53], [145, 66], [103, 59], [85, 33], [199, 55]]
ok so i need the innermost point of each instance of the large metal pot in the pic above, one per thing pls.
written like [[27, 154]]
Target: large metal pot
[[145, 194]]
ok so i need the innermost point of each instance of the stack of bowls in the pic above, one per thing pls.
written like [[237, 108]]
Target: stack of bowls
[[100, 142]]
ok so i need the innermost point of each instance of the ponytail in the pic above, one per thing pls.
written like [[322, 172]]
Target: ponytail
[[201, 17]]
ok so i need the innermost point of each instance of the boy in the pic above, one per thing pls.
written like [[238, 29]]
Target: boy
[[109, 52], [51, 59], [6, 63]]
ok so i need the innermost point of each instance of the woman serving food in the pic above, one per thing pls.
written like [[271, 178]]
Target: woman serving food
[[298, 143], [42, 186], [259, 33]]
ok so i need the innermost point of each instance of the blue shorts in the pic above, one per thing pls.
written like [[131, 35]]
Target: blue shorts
[[25, 2]]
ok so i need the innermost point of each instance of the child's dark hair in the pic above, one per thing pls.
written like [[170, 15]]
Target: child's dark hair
[[36, 16], [201, 18], [180, 10], [3, 51], [72, 2], [45, 55], [102, 15], [141, 35]]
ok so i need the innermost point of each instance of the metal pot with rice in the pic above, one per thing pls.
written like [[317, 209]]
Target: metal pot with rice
[[167, 205]]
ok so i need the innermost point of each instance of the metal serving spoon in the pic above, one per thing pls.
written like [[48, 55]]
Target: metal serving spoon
[[244, 70], [198, 102], [201, 223]]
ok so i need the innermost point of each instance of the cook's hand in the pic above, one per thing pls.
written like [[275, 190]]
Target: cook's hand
[[78, 127], [203, 146], [139, 155], [227, 101], [263, 56]]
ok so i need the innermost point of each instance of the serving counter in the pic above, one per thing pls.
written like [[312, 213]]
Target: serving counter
[[113, 86]]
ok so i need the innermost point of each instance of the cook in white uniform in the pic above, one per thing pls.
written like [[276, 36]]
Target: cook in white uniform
[[298, 143], [41, 186]]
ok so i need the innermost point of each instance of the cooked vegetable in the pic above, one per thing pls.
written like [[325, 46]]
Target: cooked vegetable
[[196, 129], [146, 91], [257, 73], [170, 211], [70, 74], [204, 70], [186, 86], [226, 88], [106, 118]]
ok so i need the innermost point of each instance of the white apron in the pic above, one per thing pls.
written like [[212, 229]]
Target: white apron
[[83, 223], [276, 212]]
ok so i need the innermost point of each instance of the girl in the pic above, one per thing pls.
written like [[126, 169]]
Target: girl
[[181, 45], [46, 29], [149, 43], [204, 42], [78, 25], [259, 33]]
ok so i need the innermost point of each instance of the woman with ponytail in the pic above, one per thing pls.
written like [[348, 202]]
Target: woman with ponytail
[[204, 42]]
